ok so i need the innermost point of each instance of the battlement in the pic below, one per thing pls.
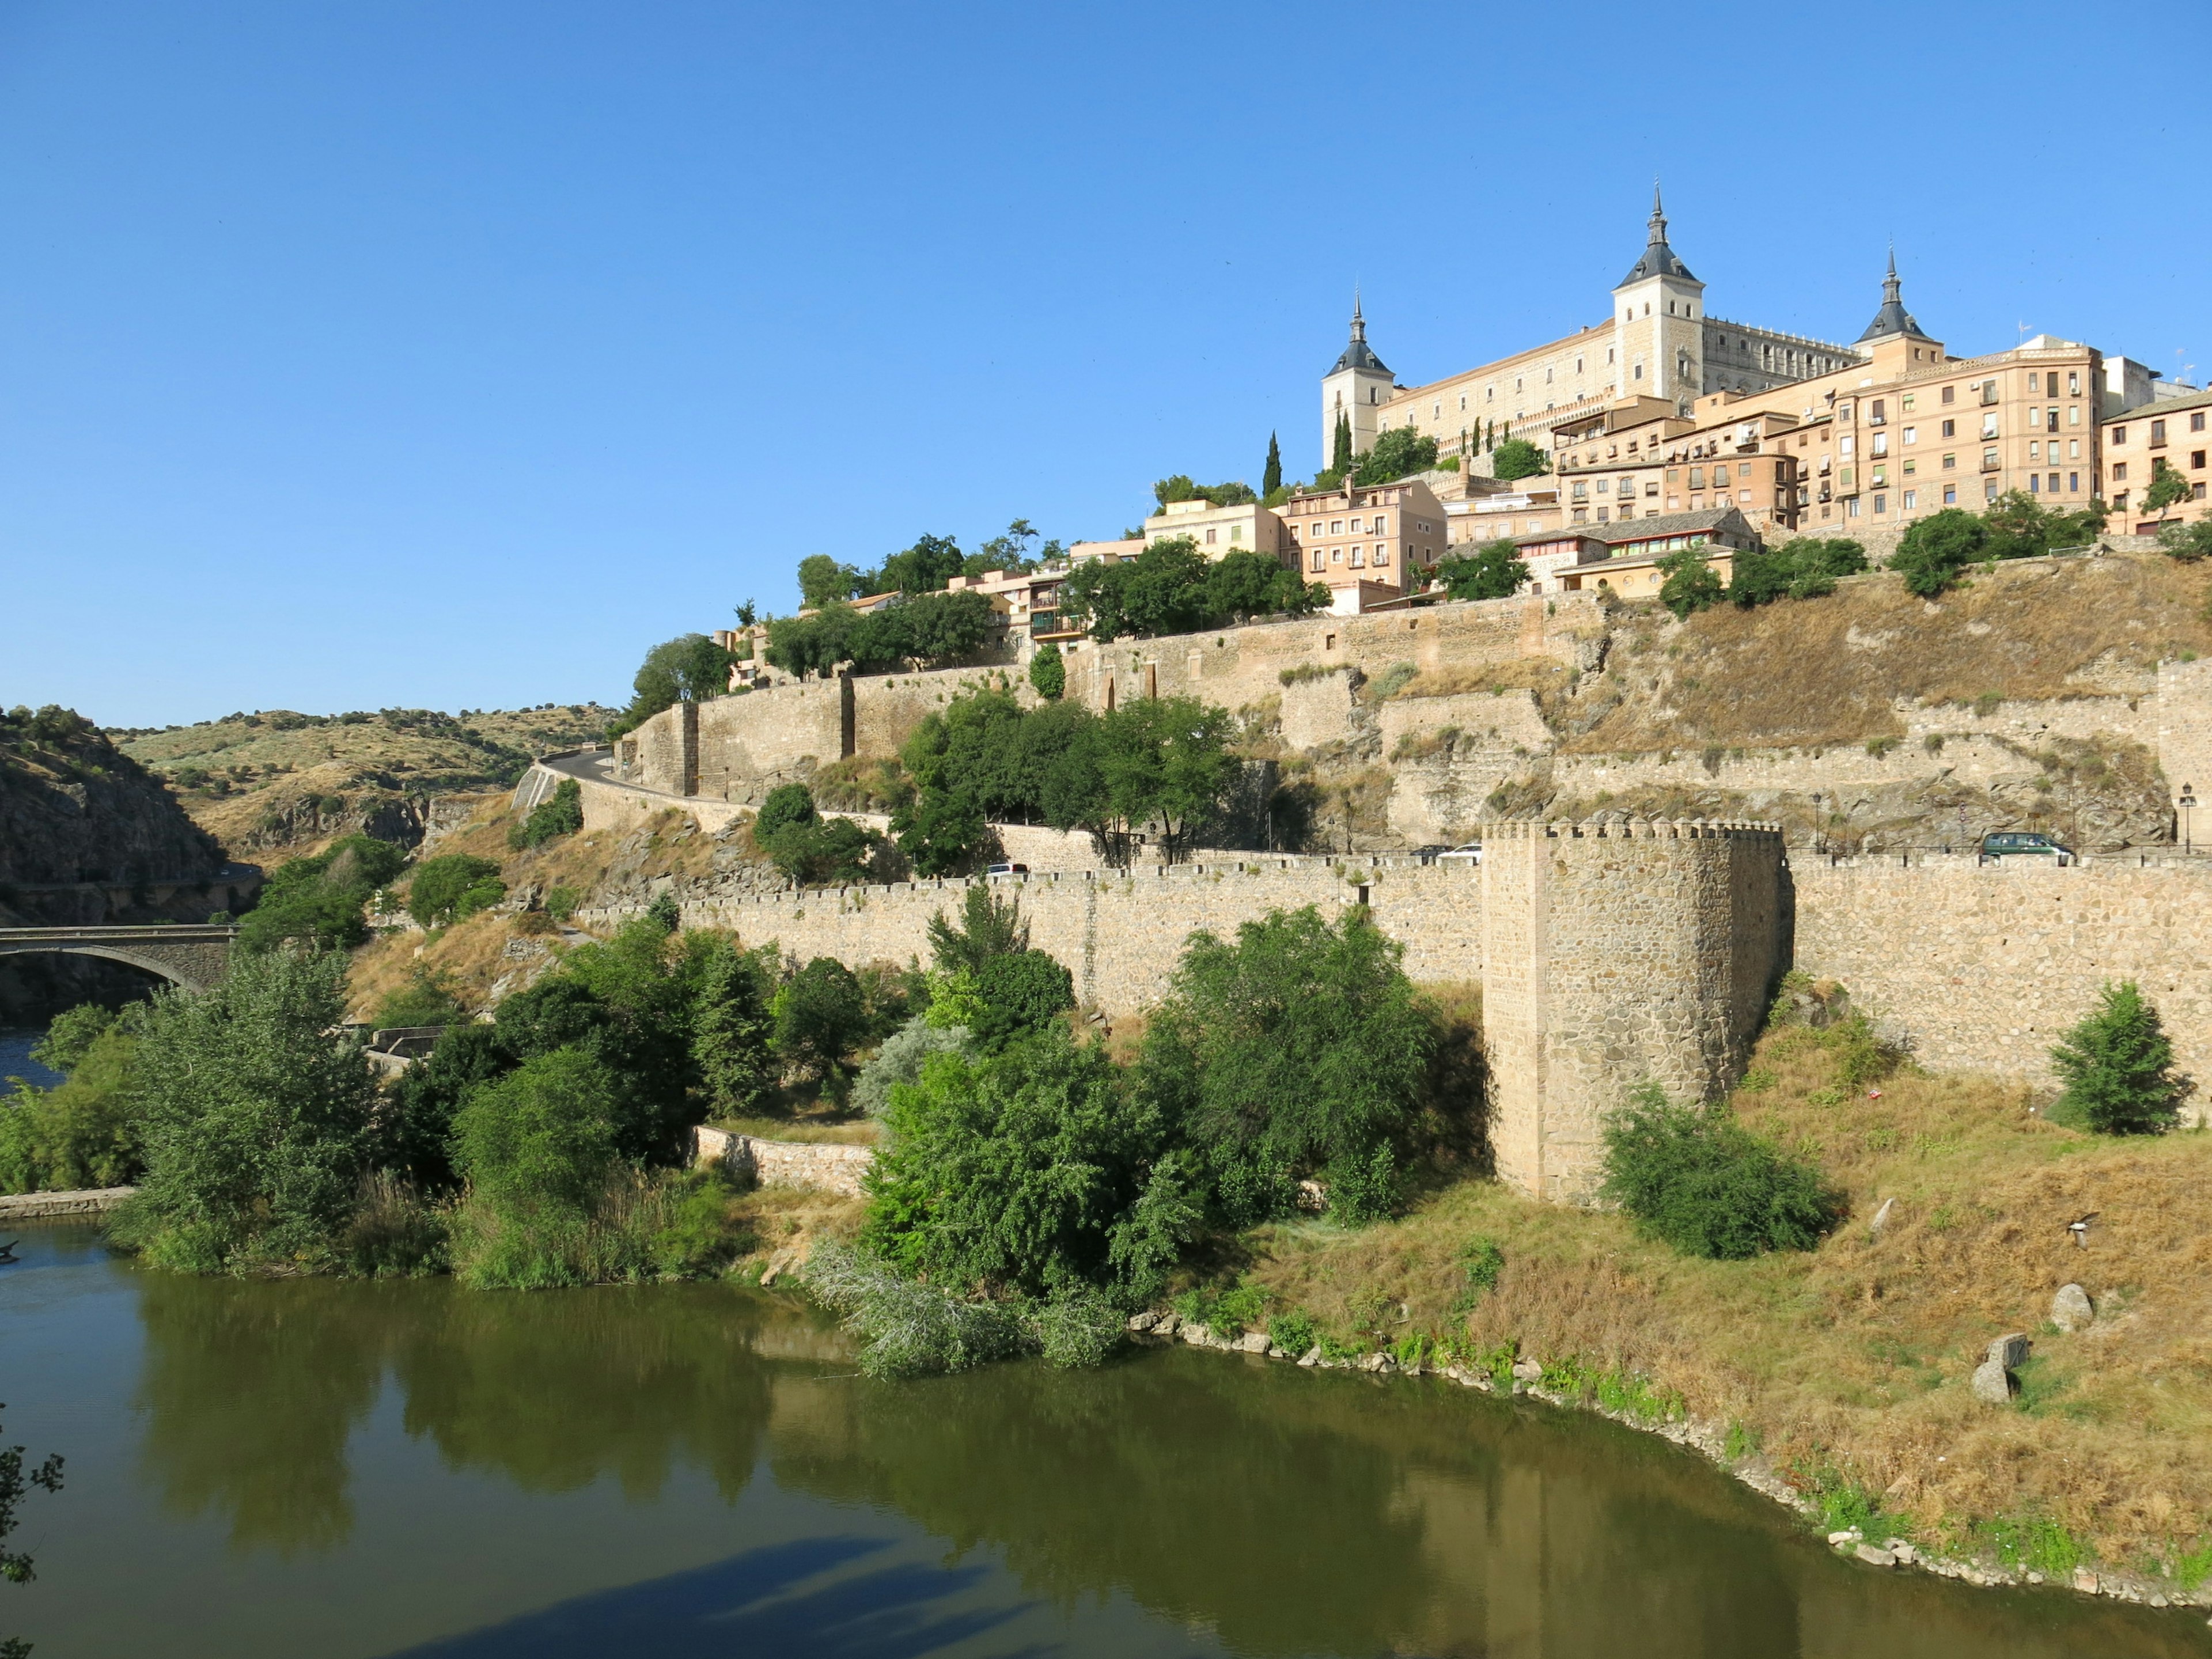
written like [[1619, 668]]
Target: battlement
[[1506, 829]]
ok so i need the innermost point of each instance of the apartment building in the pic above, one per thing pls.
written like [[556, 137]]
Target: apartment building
[[1219, 530], [1359, 540], [2170, 432], [1728, 452]]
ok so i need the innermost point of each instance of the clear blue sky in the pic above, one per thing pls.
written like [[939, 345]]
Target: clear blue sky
[[451, 354]]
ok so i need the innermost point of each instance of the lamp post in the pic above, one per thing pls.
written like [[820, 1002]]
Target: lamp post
[[2187, 806]]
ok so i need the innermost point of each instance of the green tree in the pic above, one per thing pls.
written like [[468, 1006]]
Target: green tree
[[1299, 1049], [1245, 584], [70, 1035], [1020, 993], [690, 668], [1933, 551], [1163, 761], [1399, 452], [1271, 475], [16, 1565], [1030, 1171], [1048, 671], [1516, 457], [2187, 542], [83, 1132], [1695, 1178], [924, 568], [1341, 459], [821, 1016], [542, 1136], [1805, 569], [733, 1028], [1161, 591], [1492, 572], [1691, 584], [453, 888], [257, 1121], [788, 806], [2166, 488], [990, 926], [2117, 1067], [560, 814], [822, 581], [1008, 552]]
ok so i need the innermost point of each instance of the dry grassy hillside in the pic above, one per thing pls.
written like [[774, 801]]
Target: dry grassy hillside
[[277, 784], [1853, 1360], [1807, 673]]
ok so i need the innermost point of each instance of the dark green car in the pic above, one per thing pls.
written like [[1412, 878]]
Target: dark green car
[[2024, 843]]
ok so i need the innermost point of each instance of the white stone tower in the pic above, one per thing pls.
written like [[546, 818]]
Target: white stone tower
[[1658, 323], [1358, 385]]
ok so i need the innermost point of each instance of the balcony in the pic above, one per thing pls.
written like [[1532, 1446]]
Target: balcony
[[1991, 463]]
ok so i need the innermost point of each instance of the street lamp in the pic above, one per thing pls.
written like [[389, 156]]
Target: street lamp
[[2187, 806]]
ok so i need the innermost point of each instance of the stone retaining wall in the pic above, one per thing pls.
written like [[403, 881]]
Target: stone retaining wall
[[818, 1166], [81, 1201]]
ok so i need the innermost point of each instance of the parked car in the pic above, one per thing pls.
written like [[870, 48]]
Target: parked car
[[1007, 870], [1471, 851], [2026, 843]]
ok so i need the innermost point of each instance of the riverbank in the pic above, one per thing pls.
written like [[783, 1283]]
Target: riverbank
[[1839, 1380]]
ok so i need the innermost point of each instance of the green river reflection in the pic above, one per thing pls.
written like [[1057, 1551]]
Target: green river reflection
[[348, 1469]]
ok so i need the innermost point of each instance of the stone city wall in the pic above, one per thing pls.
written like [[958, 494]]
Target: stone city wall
[[1121, 934], [1985, 965]]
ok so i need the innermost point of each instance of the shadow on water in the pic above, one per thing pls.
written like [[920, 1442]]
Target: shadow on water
[[1282, 1512], [759, 1602]]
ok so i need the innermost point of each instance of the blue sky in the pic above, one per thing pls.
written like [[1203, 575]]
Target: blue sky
[[449, 355]]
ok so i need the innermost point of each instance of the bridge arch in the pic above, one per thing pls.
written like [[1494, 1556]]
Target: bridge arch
[[193, 958]]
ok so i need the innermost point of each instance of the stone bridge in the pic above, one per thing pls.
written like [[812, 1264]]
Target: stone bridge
[[193, 956]]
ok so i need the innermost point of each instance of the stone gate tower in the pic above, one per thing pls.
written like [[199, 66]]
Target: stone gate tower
[[1612, 955]]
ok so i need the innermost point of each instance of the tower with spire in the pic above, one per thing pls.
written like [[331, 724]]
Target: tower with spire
[[1658, 321], [1355, 388], [1892, 320]]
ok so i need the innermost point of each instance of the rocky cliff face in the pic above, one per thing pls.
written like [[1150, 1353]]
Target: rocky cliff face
[[78, 817]]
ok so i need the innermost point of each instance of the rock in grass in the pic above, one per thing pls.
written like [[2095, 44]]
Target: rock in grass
[[1195, 1334], [1253, 1342], [1874, 1558], [2071, 1308], [1312, 1357], [1993, 1384], [1527, 1371], [2008, 1349]]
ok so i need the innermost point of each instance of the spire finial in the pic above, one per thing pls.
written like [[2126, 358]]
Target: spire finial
[[1891, 289], [1358, 322], [1658, 216]]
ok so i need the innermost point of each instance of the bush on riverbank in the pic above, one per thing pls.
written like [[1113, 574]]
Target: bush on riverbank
[[1697, 1178], [257, 1121], [83, 1132], [908, 1328]]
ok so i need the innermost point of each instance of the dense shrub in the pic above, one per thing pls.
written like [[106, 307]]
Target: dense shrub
[[821, 1016], [454, 888], [900, 1060], [1298, 1050], [1691, 584], [1397, 453], [932, 629], [560, 814], [1805, 569], [257, 1121], [911, 1328], [1030, 1170], [1172, 587], [1049, 671], [1695, 1178], [318, 900], [1492, 571], [2117, 1067], [1019, 993], [83, 1132], [733, 1028], [1516, 457]]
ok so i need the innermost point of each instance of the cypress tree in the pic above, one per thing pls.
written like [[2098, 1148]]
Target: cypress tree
[[2117, 1065], [1341, 461], [1271, 479]]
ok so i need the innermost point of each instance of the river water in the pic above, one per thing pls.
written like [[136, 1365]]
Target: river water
[[346, 1468]]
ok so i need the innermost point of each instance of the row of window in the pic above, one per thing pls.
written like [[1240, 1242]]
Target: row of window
[[1358, 559], [2157, 430]]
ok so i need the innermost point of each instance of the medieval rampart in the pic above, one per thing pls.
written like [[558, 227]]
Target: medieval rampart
[[1984, 965]]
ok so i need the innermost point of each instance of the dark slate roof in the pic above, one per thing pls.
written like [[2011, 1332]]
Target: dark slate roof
[[1659, 259], [1622, 531], [1359, 354], [1892, 317]]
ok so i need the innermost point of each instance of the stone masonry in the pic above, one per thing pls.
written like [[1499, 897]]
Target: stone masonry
[[1616, 954]]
